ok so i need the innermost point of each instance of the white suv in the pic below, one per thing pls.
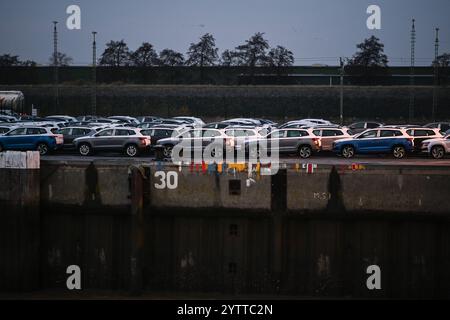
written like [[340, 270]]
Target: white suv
[[437, 148]]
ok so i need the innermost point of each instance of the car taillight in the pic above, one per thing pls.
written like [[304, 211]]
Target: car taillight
[[316, 141], [59, 138], [229, 142], [145, 141]]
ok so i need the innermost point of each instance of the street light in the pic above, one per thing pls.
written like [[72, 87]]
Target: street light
[[94, 74], [55, 64], [341, 112]]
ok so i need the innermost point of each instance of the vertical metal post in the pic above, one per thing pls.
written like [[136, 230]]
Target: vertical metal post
[[94, 75], [341, 113], [55, 65], [412, 72], [436, 76]]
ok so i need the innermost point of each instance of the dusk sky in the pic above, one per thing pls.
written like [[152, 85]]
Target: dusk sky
[[317, 31]]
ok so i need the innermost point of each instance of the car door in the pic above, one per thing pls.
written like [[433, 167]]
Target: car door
[[366, 141], [102, 139], [33, 137], [275, 141], [447, 144], [387, 140], [328, 137], [422, 135], [16, 139], [68, 138], [211, 136], [292, 140], [120, 138]]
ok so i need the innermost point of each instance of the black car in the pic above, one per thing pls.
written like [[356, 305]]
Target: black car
[[71, 133], [442, 126], [158, 133]]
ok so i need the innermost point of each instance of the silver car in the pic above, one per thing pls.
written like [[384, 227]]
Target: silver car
[[128, 140]]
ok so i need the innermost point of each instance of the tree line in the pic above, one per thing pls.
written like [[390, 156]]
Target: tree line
[[254, 52], [204, 53]]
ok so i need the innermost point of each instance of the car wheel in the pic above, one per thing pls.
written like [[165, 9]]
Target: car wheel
[[348, 152], [399, 152], [42, 148], [216, 152], [305, 152], [85, 149], [437, 152], [167, 151], [131, 150]]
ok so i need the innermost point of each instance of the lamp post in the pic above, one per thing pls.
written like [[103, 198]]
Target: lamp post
[[436, 76], [412, 72], [94, 74], [55, 65], [341, 110]]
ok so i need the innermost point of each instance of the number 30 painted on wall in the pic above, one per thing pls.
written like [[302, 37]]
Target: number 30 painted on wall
[[167, 180]]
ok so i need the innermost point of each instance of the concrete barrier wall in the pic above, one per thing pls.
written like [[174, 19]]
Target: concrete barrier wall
[[297, 233], [387, 189], [19, 221]]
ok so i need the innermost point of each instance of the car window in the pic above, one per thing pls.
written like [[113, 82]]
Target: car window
[[193, 134], [421, 133], [162, 132], [18, 132], [123, 132], [387, 133], [368, 134], [210, 133], [31, 131], [250, 133], [64, 131], [317, 133], [445, 126], [3, 130], [372, 125], [240, 133], [278, 134], [359, 125], [78, 132], [294, 134], [331, 133], [430, 133], [105, 133]]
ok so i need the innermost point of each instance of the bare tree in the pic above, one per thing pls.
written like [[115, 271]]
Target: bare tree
[[62, 59], [171, 58], [116, 54], [280, 57], [144, 56], [203, 53]]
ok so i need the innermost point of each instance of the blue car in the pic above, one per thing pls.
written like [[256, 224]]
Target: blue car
[[376, 141], [30, 139]]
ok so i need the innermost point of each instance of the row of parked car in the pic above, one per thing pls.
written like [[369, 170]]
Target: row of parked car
[[304, 138]]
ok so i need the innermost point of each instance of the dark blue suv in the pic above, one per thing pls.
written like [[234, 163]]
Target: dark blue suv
[[376, 141], [31, 138]]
